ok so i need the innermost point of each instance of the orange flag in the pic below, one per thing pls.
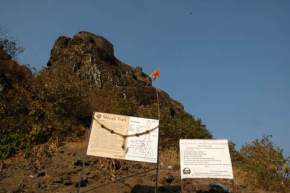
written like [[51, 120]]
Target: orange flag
[[155, 74]]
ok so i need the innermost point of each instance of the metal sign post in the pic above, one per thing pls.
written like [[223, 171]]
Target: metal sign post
[[158, 156], [157, 168]]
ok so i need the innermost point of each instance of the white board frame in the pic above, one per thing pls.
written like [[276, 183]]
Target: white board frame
[[102, 143], [208, 158]]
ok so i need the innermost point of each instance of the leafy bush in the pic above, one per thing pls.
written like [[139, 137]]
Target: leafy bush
[[53, 103], [182, 125], [9, 45], [265, 165]]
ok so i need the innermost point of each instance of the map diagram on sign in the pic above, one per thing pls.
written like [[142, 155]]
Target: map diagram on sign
[[124, 137], [143, 146]]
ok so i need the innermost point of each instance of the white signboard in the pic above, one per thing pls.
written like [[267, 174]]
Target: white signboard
[[205, 159], [124, 137]]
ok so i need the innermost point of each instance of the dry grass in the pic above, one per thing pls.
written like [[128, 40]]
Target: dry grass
[[170, 157]]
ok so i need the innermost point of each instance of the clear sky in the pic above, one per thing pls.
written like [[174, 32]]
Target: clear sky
[[227, 61]]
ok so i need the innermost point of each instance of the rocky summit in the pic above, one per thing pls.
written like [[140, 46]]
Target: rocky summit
[[93, 58]]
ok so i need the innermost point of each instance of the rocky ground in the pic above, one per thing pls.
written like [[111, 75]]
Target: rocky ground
[[59, 171]]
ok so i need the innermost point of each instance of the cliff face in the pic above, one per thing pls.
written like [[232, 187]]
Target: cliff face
[[92, 58]]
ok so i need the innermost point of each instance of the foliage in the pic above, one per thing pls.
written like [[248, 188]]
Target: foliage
[[57, 102], [10, 45], [236, 156], [53, 103], [265, 165], [181, 125]]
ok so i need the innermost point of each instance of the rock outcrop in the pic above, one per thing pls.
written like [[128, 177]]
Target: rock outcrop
[[92, 58]]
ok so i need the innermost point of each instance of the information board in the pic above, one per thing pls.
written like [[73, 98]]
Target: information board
[[205, 159], [124, 137]]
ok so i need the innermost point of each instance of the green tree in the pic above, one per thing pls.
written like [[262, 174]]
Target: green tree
[[9, 44], [264, 162]]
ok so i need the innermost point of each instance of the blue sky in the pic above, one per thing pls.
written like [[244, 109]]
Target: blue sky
[[228, 62]]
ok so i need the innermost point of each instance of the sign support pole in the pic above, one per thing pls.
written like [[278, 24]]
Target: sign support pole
[[158, 157], [234, 186], [81, 178], [181, 186]]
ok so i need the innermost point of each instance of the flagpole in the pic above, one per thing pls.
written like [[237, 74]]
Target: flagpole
[[158, 158], [154, 75]]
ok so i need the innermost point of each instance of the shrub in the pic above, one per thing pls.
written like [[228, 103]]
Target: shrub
[[9, 45], [56, 102], [53, 103], [264, 163]]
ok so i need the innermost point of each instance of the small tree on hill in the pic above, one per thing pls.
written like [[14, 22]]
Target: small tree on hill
[[265, 164], [9, 45]]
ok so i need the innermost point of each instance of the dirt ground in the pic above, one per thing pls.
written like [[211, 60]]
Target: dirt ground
[[60, 171]]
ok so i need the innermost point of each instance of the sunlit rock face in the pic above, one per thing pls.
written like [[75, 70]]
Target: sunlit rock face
[[92, 57]]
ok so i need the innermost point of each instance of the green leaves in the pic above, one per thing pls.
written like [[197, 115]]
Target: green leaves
[[264, 161], [10, 45]]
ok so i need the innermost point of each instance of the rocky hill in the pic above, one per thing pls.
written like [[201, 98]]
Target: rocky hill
[[44, 114], [45, 119], [92, 58], [82, 76]]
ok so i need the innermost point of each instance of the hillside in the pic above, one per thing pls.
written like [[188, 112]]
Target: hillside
[[45, 119], [84, 76]]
